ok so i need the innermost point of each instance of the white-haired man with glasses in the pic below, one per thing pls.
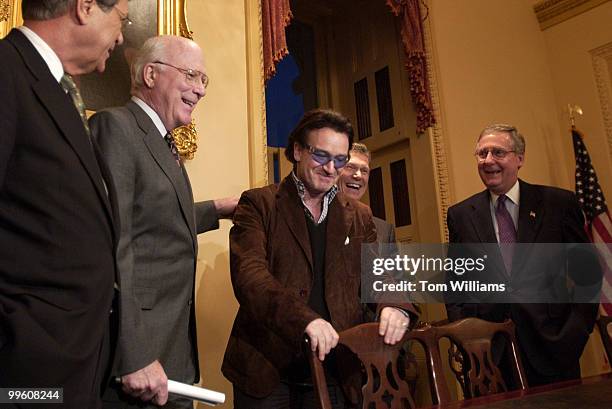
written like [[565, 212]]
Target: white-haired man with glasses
[[551, 337], [157, 249], [296, 270]]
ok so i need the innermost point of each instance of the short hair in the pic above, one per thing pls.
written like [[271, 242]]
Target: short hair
[[49, 9], [518, 141], [317, 119], [361, 148], [154, 49]]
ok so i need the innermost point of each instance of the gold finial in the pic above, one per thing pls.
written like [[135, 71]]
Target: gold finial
[[573, 109]]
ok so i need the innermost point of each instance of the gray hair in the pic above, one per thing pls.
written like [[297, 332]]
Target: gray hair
[[156, 48], [49, 9], [518, 141], [361, 148]]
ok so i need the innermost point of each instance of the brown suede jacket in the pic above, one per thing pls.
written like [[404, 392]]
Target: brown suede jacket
[[271, 269]]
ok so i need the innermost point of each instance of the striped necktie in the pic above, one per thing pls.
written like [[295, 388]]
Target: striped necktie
[[68, 84], [170, 141], [506, 230]]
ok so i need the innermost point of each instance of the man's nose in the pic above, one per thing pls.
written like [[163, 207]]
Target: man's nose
[[120, 38], [489, 157], [329, 167], [200, 90]]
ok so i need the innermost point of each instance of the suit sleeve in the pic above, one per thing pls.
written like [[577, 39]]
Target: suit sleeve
[[206, 216], [134, 347], [259, 293], [584, 269], [454, 311]]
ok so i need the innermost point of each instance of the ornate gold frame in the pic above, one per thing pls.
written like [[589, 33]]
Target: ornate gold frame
[[171, 19]]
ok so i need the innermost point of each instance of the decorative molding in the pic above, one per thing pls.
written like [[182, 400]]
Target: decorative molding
[[434, 133], [172, 19], [256, 96], [262, 84], [5, 9], [10, 16], [552, 12], [185, 139], [602, 56]]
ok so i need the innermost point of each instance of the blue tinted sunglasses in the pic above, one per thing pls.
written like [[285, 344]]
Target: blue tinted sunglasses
[[323, 157]]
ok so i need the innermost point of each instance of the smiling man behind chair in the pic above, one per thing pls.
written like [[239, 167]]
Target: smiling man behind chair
[[57, 264], [296, 269]]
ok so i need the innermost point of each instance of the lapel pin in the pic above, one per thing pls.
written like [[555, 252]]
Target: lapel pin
[[347, 241], [532, 214]]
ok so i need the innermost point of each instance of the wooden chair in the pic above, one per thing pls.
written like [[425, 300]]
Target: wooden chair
[[478, 374], [384, 386], [605, 330]]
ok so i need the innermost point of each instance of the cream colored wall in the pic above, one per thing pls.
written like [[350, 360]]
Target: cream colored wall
[[569, 45], [492, 67], [220, 168]]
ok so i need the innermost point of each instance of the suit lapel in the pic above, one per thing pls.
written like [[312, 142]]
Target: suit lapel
[[62, 111], [339, 221], [531, 213], [290, 207], [163, 157], [481, 218]]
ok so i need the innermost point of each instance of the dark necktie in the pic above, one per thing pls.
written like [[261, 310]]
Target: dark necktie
[[170, 141], [70, 87], [506, 230]]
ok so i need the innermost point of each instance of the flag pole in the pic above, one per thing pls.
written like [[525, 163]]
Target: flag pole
[[573, 109]]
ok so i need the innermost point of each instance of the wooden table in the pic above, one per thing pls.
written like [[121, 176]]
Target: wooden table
[[588, 393]]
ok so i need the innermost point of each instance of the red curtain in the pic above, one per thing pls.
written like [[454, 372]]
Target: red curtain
[[276, 15], [416, 63]]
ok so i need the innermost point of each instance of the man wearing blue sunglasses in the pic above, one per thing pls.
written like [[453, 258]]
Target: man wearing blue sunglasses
[[296, 270]]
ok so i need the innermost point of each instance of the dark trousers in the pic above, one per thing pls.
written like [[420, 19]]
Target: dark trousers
[[289, 396]]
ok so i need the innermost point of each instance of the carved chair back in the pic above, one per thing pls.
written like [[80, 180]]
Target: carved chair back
[[471, 356], [385, 376]]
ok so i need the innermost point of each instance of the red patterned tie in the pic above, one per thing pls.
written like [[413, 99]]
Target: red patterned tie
[[506, 230]]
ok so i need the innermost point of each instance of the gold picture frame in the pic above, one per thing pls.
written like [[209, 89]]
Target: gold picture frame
[[171, 19]]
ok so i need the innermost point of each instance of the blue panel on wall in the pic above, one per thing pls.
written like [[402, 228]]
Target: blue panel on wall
[[284, 107]]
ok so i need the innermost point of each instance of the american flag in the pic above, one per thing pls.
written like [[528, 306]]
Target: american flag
[[598, 222]]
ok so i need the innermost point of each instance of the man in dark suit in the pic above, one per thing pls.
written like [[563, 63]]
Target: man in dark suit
[[551, 337], [353, 182], [158, 243], [57, 265], [296, 269]]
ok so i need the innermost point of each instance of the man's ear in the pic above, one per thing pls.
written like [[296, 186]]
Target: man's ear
[[84, 10], [297, 151], [149, 75]]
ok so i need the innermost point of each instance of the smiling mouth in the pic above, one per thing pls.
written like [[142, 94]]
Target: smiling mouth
[[189, 103], [353, 186]]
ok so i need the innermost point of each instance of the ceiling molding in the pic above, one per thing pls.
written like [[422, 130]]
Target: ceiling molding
[[552, 12]]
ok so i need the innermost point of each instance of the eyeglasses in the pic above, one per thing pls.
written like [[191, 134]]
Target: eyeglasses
[[125, 20], [193, 77], [323, 158], [354, 168], [497, 153]]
